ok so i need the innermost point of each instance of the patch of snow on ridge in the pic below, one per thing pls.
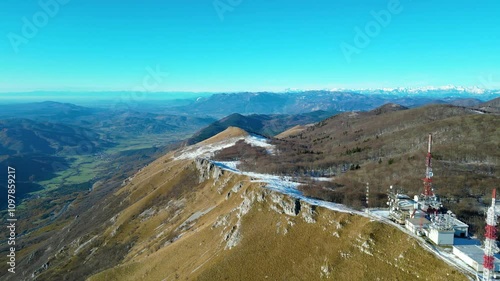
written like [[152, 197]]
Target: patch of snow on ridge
[[285, 185], [321, 179], [228, 165], [208, 150], [260, 141]]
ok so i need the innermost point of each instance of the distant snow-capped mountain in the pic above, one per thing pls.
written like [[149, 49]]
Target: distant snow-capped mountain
[[449, 91], [429, 89]]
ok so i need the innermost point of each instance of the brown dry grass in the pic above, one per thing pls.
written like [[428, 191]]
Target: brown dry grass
[[199, 253], [231, 132], [292, 131]]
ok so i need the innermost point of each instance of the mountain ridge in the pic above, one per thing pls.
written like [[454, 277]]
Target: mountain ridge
[[262, 124], [204, 217]]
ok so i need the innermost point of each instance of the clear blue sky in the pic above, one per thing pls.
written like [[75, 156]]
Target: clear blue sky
[[257, 45]]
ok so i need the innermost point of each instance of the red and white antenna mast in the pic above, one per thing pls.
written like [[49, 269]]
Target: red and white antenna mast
[[428, 171], [490, 246]]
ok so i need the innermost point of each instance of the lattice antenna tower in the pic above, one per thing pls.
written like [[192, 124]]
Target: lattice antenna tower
[[490, 246]]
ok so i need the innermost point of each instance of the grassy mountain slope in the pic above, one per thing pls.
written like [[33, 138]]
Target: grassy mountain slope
[[186, 219], [292, 131], [251, 124], [189, 220]]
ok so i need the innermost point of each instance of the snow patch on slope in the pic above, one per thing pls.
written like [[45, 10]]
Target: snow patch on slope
[[206, 150], [285, 185], [209, 150], [260, 141]]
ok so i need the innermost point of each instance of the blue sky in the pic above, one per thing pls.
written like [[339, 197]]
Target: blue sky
[[236, 45]]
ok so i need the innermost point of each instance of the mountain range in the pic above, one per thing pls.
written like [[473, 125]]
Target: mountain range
[[296, 102]]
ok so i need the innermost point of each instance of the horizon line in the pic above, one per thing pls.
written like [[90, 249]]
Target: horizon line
[[286, 90]]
